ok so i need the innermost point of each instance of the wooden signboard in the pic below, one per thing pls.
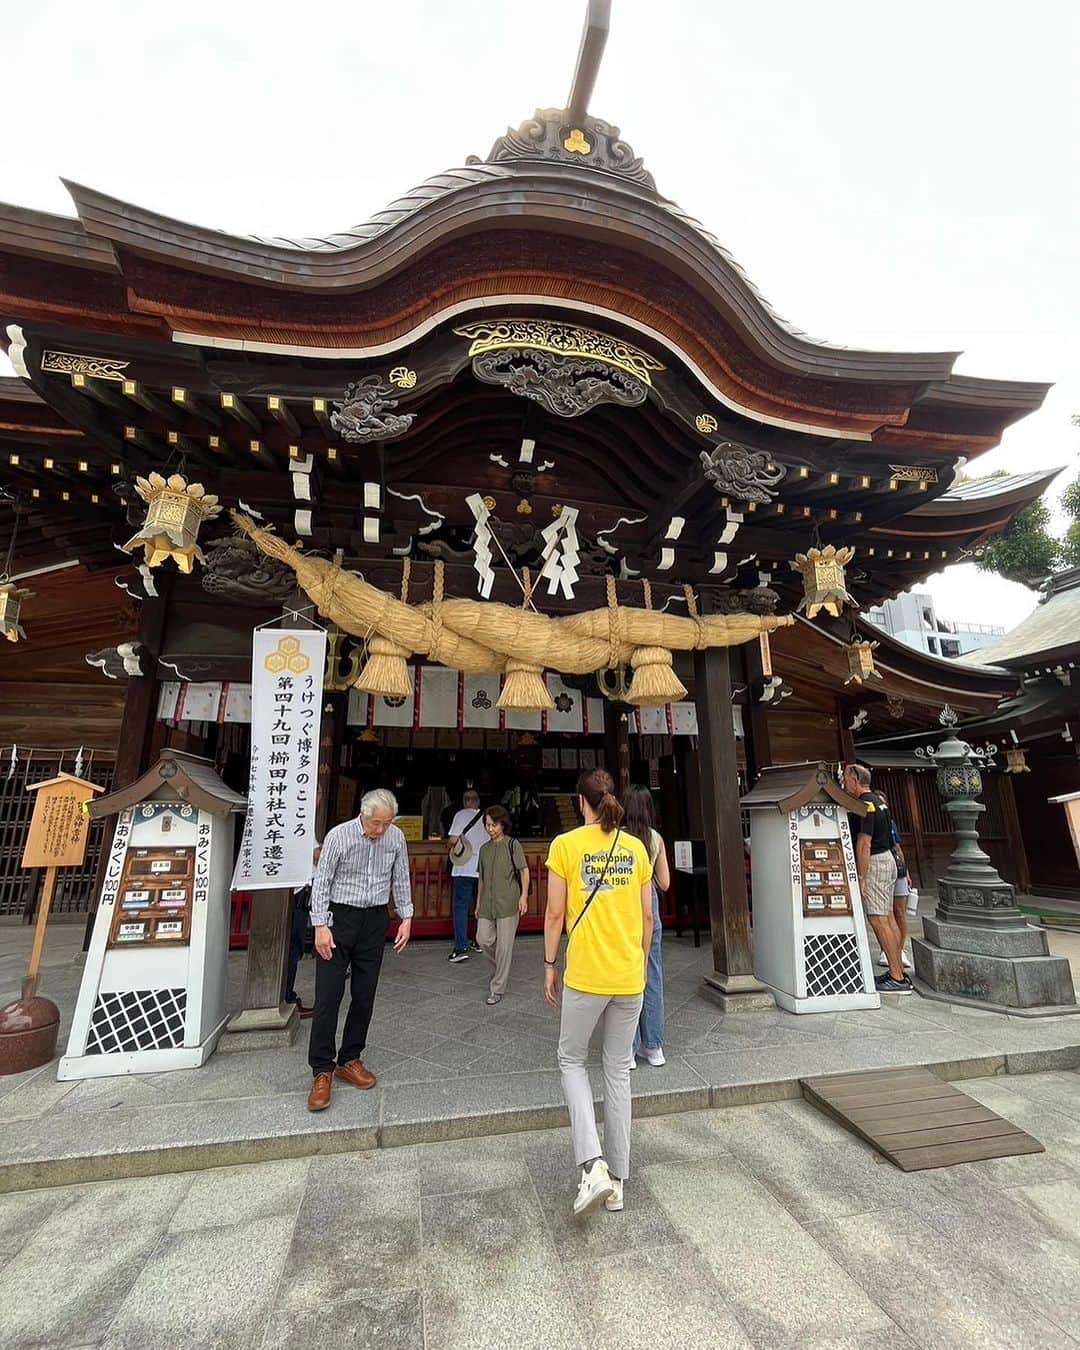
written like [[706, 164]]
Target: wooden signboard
[[57, 838], [59, 825]]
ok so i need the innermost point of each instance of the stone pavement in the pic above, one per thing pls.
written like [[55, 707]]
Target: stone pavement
[[449, 1067], [761, 1226]]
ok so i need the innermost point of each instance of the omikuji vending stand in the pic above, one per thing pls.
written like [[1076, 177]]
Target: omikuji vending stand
[[153, 992], [810, 944]]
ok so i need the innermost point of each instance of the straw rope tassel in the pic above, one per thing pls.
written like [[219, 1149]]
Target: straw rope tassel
[[654, 682], [386, 670], [524, 689]]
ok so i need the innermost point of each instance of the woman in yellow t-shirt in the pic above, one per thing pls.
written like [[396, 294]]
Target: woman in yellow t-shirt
[[600, 889]]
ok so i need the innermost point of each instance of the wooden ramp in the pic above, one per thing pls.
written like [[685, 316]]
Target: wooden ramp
[[915, 1119]]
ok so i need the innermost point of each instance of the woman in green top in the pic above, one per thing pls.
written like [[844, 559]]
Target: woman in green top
[[502, 898]]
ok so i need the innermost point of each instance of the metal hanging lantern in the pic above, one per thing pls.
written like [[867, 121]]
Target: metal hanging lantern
[[11, 598], [176, 511], [822, 572], [11, 595], [1016, 760], [860, 658]]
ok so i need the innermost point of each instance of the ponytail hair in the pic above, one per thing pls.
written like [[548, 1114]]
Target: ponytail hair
[[598, 788]]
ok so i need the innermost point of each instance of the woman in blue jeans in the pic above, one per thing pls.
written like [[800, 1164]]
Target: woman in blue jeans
[[640, 821]]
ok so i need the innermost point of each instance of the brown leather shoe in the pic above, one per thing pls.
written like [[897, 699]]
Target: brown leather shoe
[[319, 1096], [355, 1073]]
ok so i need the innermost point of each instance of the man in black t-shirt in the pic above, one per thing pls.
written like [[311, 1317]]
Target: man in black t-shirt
[[871, 836]]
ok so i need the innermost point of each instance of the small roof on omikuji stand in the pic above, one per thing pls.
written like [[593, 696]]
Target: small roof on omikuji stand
[[176, 774], [789, 786]]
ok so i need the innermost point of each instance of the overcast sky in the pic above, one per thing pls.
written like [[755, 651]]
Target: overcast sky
[[901, 176]]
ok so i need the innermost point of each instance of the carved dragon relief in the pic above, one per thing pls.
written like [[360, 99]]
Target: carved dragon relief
[[566, 386], [366, 412], [237, 571], [737, 471]]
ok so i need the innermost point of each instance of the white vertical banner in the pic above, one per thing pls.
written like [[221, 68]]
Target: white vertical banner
[[286, 704], [438, 693], [479, 700], [684, 719], [567, 714]]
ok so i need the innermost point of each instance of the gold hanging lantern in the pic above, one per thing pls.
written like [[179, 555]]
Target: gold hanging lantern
[[860, 659], [1016, 760], [171, 529], [11, 598], [824, 587]]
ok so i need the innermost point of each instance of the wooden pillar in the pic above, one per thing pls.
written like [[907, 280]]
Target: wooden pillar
[[729, 913], [847, 740], [918, 841], [757, 663], [1015, 835], [136, 725], [616, 746]]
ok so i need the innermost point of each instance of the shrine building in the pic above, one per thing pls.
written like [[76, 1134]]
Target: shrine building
[[532, 380]]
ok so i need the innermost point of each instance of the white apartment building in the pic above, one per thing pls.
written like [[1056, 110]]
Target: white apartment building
[[911, 618]]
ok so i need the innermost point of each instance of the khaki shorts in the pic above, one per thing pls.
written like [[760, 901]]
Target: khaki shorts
[[880, 881]]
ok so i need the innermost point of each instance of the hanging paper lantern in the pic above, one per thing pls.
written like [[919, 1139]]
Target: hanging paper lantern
[[171, 529], [860, 659], [11, 598], [1016, 760], [823, 579]]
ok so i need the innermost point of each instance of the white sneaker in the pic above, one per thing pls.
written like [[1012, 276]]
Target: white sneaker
[[883, 960], [633, 1061], [614, 1201], [655, 1057], [595, 1189]]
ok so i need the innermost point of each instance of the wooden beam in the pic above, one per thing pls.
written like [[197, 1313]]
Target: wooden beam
[[134, 391], [321, 409], [279, 411], [102, 394], [234, 406], [729, 912], [197, 407], [184, 445]]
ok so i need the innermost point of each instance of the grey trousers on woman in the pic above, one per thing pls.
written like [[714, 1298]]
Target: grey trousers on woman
[[495, 938], [580, 1014]]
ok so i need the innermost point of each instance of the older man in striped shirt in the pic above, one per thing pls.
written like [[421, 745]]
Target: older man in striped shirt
[[361, 864]]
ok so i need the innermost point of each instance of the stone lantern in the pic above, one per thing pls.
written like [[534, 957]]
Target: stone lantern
[[978, 948]]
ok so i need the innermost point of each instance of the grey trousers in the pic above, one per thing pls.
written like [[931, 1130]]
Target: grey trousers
[[580, 1014], [495, 938]]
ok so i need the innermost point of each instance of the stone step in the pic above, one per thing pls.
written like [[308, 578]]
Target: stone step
[[68, 1147]]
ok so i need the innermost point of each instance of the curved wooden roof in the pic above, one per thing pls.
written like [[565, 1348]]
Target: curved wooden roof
[[536, 228]]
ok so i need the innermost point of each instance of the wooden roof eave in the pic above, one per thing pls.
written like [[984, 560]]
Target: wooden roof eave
[[40, 234], [606, 207]]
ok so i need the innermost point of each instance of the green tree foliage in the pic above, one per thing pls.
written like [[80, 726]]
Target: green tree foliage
[[1027, 550]]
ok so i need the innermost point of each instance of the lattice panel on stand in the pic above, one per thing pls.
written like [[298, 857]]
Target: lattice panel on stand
[[832, 964], [147, 1019]]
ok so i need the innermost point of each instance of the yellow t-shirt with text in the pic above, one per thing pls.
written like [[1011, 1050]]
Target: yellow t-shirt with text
[[603, 954]]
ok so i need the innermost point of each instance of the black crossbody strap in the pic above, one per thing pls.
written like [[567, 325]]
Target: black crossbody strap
[[596, 885], [471, 823]]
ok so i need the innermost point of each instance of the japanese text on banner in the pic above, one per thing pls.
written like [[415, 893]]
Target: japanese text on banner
[[286, 700]]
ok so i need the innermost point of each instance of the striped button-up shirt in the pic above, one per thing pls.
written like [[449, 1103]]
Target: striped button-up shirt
[[356, 870]]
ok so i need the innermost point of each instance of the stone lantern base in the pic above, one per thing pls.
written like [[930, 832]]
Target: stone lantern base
[[1004, 970]]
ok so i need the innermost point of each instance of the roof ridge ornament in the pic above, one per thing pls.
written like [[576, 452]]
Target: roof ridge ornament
[[583, 141]]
